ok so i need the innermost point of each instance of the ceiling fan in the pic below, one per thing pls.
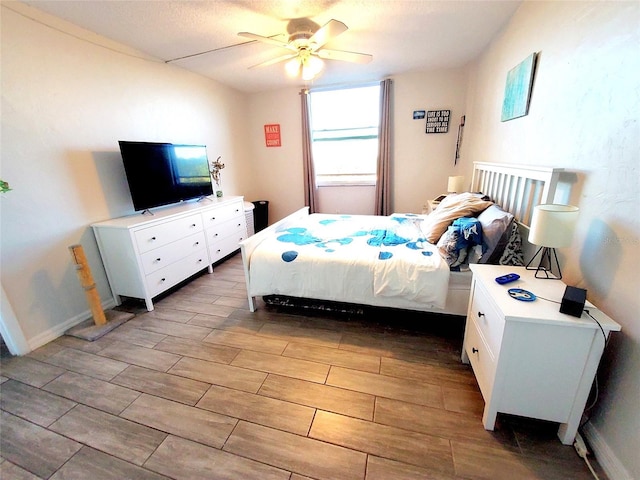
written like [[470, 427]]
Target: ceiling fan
[[306, 47]]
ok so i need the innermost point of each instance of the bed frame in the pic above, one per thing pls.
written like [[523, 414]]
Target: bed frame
[[516, 188]]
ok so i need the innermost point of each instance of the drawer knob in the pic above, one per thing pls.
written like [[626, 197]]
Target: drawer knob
[[480, 314], [153, 238], [193, 224], [199, 260], [158, 259], [213, 218], [197, 243], [163, 279], [474, 350]]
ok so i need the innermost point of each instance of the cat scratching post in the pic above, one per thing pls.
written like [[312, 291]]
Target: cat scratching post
[[102, 322]]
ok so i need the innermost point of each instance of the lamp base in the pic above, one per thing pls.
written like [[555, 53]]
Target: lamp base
[[545, 265]]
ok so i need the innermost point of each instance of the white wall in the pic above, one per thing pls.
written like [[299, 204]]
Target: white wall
[[276, 172], [65, 104], [583, 117], [422, 162]]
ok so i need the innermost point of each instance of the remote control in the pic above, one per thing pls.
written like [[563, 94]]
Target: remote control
[[509, 277]]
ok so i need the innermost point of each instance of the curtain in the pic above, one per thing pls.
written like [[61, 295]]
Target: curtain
[[383, 184], [310, 188]]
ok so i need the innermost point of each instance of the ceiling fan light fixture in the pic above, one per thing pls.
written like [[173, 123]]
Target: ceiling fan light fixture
[[292, 67], [307, 42], [311, 66]]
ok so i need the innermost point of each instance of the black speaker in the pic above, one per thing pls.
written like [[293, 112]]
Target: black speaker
[[573, 301]]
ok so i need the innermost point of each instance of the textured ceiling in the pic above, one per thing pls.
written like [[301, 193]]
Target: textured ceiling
[[402, 35]]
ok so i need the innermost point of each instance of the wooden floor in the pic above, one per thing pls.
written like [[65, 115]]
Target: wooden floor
[[201, 388]]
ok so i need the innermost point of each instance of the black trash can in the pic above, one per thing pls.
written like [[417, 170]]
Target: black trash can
[[261, 214]]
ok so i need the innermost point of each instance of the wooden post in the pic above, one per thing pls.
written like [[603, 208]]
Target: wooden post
[[86, 281]]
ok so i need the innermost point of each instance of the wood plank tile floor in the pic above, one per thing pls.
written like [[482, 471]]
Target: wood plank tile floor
[[201, 388]]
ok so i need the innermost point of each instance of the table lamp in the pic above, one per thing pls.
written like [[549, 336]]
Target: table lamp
[[551, 227], [455, 184]]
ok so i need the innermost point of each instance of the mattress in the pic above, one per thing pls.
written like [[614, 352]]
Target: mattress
[[375, 260]]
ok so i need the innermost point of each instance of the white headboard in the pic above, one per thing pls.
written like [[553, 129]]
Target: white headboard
[[516, 188]]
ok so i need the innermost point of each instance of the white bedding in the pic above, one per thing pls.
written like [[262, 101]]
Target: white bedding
[[355, 258]]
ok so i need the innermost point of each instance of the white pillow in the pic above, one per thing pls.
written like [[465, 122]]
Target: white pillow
[[495, 233]]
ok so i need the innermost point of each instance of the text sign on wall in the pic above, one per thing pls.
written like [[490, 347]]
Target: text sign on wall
[[438, 121], [272, 135]]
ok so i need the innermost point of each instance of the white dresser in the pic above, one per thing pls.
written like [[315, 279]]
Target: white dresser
[[144, 255], [530, 359]]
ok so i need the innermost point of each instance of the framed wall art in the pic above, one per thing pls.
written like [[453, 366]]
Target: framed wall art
[[517, 92]]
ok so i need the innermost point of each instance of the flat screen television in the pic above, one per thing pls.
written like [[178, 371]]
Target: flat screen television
[[163, 173]]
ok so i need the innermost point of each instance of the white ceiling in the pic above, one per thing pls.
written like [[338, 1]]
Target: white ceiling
[[402, 35]]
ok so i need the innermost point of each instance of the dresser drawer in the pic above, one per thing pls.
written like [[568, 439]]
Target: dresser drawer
[[167, 254], [235, 227], [165, 233], [222, 214], [167, 277], [489, 321], [482, 359], [227, 245]]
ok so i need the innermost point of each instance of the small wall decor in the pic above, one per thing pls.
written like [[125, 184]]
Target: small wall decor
[[418, 114], [272, 135], [517, 92], [459, 140], [438, 121]]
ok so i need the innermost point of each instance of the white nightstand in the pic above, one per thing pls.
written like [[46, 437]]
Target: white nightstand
[[431, 205], [530, 359]]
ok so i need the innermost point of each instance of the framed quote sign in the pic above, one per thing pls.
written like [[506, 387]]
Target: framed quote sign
[[272, 135], [438, 121]]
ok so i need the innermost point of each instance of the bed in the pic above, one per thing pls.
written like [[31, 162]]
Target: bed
[[404, 260]]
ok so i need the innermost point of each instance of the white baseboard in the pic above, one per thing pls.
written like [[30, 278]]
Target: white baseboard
[[57, 331], [605, 456]]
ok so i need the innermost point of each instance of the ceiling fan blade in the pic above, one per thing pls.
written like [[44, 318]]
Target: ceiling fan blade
[[344, 56], [279, 59], [328, 31], [269, 40]]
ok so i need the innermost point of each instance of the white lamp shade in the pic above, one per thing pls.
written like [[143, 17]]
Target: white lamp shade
[[311, 67], [552, 225], [455, 184], [307, 66], [292, 67]]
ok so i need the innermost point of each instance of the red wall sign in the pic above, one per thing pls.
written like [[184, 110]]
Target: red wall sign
[[272, 135]]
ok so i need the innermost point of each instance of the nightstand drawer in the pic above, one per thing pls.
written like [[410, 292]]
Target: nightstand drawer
[[482, 359], [489, 321]]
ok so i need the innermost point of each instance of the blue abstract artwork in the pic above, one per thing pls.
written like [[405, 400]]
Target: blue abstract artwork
[[517, 92]]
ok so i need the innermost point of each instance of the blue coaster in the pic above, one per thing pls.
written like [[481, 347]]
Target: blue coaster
[[522, 295]]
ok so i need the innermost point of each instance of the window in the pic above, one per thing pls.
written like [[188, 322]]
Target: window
[[344, 135]]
